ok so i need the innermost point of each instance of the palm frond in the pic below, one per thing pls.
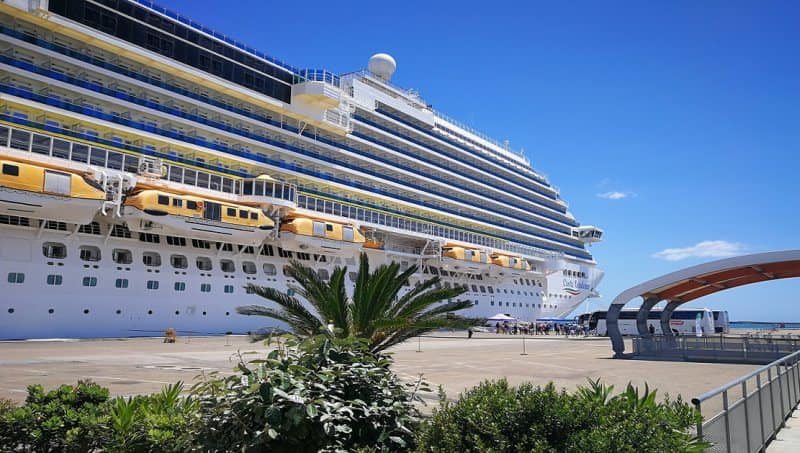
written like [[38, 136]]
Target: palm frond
[[291, 310]]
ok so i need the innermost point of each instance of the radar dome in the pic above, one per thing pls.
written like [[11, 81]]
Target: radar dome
[[382, 65]]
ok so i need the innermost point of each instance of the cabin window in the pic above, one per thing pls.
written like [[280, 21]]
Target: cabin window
[[483, 289], [227, 266], [11, 170], [474, 289], [152, 284], [191, 204], [347, 233], [269, 269], [491, 290], [16, 277], [179, 261], [122, 256], [434, 271], [89, 253], [176, 240], [267, 250], [323, 274], [152, 259], [319, 229], [180, 286], [149, 237], [253, 216], [121, 283], [228, 289], [203, 263], [54, 250], [249, 267], [89, 281], [177, 202], [59, 183], [205, 287], [54, 279], [231, 212], [243, 214], [163, 199], [200, 244]]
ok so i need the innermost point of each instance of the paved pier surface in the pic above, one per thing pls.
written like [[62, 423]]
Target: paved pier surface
[[141, 365]]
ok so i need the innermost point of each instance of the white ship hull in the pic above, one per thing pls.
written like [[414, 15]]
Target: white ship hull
[[105, 310]]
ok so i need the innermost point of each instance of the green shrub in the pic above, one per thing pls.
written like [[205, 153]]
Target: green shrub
[[163, 422], [497, 417], [318, 396], [68, 419]]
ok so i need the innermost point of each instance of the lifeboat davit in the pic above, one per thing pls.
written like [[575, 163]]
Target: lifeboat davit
[[156, 211], [41, 192], [316, 235]]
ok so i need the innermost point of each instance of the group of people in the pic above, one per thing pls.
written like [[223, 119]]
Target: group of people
[[541, 328]]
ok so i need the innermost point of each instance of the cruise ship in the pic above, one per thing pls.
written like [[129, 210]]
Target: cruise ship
[[152, 167]]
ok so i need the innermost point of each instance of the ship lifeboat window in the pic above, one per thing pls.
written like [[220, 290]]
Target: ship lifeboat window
[[177, 202], [231, 212], [243, 214], [323, 274], [54, 250], [190, 204], [203, 263], [179, 261], [347, 233], [152, 259], [11, 170], [89, 253], [249, 267], [269, 269], [253, 216], [319, 229], [227, 266], [58, 183], [163, 199]]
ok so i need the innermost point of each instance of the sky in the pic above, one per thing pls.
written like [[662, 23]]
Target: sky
[[673, 126]]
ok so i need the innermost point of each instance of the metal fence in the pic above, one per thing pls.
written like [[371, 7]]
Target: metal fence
[[754, 407], [719, 348]]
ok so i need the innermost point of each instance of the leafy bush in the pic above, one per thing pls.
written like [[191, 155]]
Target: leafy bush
[[69, 419], [162, 422], [323, 395], [495, 416]]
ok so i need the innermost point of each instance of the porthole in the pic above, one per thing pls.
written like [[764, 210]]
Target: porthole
[[85, 311], [51, 311], [119, 312], [149, 312], [227, 313], [204, 313], [177, 312], [10, 311]]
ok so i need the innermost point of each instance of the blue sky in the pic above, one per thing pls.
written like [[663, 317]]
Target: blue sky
[[671, 125]]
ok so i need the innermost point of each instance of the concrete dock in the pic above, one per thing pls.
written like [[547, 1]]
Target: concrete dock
[[142, 365]]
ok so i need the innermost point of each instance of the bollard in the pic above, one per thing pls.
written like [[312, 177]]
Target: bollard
[[227, 340], [524, 352], [419, 343]]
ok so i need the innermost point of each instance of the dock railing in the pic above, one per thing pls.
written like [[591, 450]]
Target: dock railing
[[753, 407]]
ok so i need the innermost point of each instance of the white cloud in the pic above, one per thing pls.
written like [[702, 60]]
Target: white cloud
[[615, 195], [705, 249]]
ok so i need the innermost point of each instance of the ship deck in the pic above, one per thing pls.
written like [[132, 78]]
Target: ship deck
[[141, 365]]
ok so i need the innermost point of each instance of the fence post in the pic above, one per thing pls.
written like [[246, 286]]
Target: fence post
[[727, 421], [760, 410], [780, 390], [746, 416], [419, 343], [523, 346], [771, 400], [699, 422]]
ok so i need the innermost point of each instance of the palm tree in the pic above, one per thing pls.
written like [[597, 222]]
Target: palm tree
[[375, 312]]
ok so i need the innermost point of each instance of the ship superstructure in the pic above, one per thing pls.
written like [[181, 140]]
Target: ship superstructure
[[151, 167]]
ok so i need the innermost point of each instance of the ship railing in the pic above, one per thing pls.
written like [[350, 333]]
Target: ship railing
[[100, 157], [504, 147], [754, 407]]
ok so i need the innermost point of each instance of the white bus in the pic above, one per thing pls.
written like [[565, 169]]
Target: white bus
[[682, 322]]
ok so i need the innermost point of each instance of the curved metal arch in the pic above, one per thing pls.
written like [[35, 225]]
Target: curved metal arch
[[697, 281]]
